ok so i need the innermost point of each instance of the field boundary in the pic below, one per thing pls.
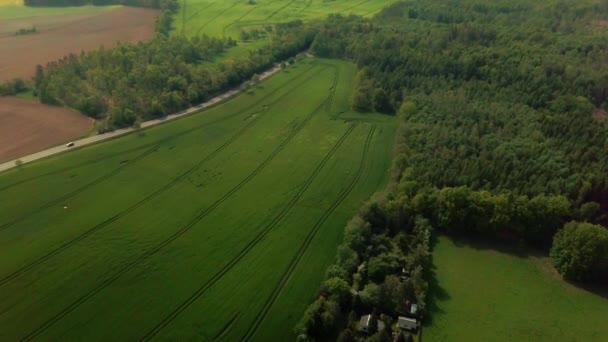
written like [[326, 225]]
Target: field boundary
[[89, 141], [68, 168], [234, 261], [216, 277], [158, 192], [304, 246], [36, 332], [79, 190], [169, 138], [198, 32]]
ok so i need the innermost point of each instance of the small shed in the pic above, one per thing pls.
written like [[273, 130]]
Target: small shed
[[406, 323]]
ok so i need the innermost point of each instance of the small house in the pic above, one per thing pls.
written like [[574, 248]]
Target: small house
[[406, 323]]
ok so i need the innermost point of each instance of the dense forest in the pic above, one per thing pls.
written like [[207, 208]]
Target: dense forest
[[503, 137]]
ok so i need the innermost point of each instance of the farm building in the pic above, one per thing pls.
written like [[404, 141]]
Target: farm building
[[405, 323], [364, 323]]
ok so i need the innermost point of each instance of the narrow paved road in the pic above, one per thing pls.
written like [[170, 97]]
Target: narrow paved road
[[101, 137]]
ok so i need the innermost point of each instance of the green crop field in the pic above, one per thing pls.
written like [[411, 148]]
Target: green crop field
[[217, 226], [229, 17], [482, 294]]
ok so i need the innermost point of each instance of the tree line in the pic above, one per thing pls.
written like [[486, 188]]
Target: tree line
[[151, 79], [498, 139]]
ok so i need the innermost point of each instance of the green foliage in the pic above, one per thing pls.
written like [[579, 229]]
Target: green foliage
[[14, 87], [347, 335], [389, 265], [580, 251], [335, 271], [373, 325], [24, 31], [319, 319], [338, 290], [155, 78]]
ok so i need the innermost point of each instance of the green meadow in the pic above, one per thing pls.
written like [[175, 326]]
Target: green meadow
[[216, 226], [484, 292]]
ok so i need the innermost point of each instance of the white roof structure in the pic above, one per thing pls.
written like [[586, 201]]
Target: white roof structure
[[407, 323]]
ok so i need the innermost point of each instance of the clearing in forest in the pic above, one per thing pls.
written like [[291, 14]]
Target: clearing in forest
[[479, 293], [217, 226]]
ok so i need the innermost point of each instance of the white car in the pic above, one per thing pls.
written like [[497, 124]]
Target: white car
[[70, 144]]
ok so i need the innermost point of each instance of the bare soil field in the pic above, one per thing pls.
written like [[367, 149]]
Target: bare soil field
[[60, 35], [27, 126]]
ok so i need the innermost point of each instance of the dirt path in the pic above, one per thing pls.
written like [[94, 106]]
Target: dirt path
[[101, 137]]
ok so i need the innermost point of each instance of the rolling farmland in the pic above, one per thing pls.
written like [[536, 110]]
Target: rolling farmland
[[218, 226], [228, 18]]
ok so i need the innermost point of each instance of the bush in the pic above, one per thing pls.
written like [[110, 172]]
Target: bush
[[580, 251], [338, 290]]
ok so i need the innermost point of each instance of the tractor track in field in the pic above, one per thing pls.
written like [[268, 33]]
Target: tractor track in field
[[90, 162], [302, 250], [226, 327], [217, 276], [307, 5], [36, 332], [280, 9], [81, 189], [357, 5], [114, 218], [332, 90], [225, 28], [155, 145], [250, 245], [155, 194], [198, 32], [192, 16], [258, 22], [163, 140], [184, 17]]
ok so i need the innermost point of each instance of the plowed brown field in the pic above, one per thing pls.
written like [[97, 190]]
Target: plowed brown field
[[59, 35], [27, 127]]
